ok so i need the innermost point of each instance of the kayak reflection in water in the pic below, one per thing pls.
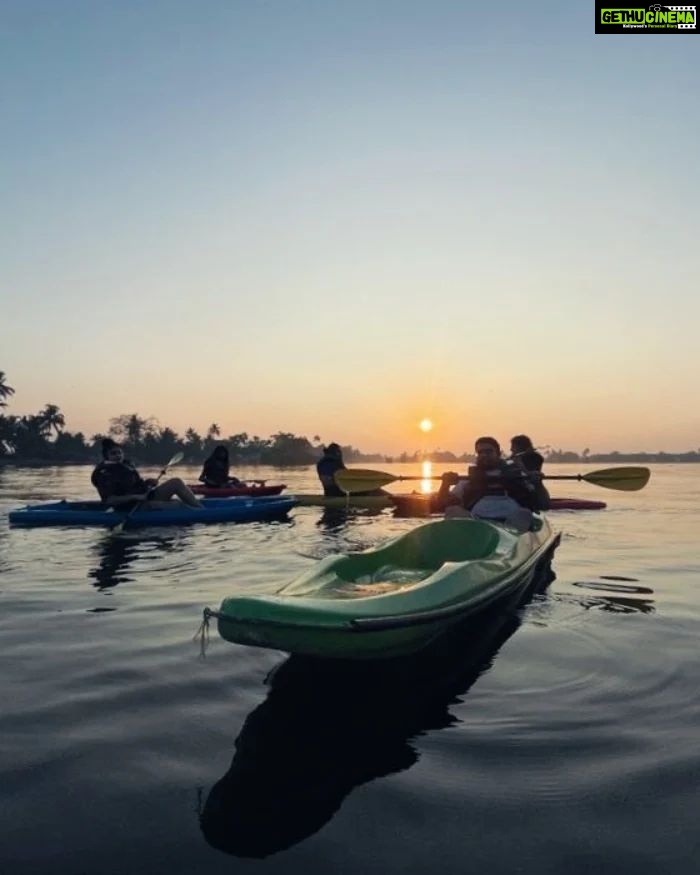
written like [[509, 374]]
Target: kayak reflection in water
[[327, 727], [117, 555]]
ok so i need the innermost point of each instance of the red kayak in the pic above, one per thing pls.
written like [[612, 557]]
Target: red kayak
[[575, 504], [417, 504], [254, 490]]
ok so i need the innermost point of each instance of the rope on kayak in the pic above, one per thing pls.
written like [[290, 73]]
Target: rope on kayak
[[202, 633]]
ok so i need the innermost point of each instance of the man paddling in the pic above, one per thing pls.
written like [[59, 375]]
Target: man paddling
[[121, 486], [496, 489]]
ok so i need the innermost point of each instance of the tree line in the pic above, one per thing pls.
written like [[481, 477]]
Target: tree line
[[42, 438]]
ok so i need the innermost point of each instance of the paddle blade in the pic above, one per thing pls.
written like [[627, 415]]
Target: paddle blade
[[119, 528], [627, 479], [178, 457], [362, 479]]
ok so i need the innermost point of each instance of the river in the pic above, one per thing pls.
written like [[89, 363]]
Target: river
[[562, 737]]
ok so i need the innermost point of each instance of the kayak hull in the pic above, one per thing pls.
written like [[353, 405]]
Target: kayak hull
[[91, 513], [392, 600], [576, 504], [252, 491], [421, 505], [341, 502]]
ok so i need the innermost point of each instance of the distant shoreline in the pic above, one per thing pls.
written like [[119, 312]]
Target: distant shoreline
[[11, 462]]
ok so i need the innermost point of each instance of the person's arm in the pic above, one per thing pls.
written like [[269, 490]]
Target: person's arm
[[126, 486], [326, 474], [204, 476], [523, 486], [542, 497], [445, 497], [100, 481]]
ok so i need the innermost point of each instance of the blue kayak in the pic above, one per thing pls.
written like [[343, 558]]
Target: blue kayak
[[93, 513]]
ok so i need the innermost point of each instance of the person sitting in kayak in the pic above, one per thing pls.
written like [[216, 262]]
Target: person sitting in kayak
[[326, 467], [495, 488], [215, 472], [121, 486], [330, 462], [523, 453]]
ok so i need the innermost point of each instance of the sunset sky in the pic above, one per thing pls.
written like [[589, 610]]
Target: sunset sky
[[338, 218]]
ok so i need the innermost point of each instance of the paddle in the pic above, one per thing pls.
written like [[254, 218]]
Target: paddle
[[364, 480], [178, 457]]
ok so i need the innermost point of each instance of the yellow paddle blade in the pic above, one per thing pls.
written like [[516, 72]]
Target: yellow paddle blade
[[627, 479], [362, 479]]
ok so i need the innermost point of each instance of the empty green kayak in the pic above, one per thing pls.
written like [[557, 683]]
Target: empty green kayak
[[393, 599]]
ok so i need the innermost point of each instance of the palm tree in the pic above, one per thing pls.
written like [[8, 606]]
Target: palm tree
[[52, 417], [132, 428], [5, 390], [193, 442], [213, 430]]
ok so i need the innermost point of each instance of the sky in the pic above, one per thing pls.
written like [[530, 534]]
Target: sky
[[337, 219]]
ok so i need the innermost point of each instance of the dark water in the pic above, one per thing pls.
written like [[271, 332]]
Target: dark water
[[562, 736]]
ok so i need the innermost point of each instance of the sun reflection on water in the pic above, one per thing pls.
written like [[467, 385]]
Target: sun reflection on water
[[426, 484]]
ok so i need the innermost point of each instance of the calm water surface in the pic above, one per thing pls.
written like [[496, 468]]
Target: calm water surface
[[562, 737]]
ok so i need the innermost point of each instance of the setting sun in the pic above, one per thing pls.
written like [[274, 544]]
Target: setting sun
[[425, 425]]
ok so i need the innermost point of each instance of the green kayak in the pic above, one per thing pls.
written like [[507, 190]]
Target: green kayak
[[393, 599]]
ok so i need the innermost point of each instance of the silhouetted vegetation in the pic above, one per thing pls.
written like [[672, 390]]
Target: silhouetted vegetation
[[41, 438]]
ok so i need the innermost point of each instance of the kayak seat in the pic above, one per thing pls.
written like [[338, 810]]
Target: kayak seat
[[418, 557], [453, 540], [402, 563]]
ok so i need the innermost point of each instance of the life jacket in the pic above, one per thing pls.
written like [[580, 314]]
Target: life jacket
[[507, 479], [117, 478], [531, 460], [326, 468]]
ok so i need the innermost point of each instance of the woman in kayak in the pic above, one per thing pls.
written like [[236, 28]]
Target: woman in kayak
[[326, 467], [494, 489], [215, 472], [330, 462], [121, 486], [523, 453]]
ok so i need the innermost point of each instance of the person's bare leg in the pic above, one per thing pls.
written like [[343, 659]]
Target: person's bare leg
[[176, 487]]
